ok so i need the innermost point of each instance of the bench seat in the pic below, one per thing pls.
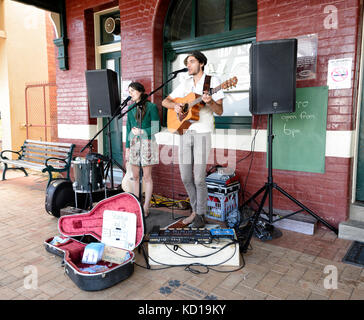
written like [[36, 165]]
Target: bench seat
[[42, 156]]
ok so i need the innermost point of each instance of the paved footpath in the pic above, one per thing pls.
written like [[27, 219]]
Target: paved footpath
[[294, 266]]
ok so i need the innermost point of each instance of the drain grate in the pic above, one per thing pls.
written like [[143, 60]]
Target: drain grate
[[355, 254]]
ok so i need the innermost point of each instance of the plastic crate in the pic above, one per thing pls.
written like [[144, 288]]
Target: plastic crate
[[220, 205]]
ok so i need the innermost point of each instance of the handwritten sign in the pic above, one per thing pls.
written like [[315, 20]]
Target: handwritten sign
[[300, 137], [119, 229]]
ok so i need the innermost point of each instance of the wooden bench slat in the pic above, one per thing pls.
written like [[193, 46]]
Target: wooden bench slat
[[31, 165], [26, 164], [51, 162], [43, 152], [63, 144], [30, 155], [32, 160], [34, 146]]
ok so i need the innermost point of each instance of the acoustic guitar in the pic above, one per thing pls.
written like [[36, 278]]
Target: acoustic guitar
[[191, 105]]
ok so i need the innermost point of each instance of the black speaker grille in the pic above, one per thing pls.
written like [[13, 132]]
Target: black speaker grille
[[273, 76], [103, 92]]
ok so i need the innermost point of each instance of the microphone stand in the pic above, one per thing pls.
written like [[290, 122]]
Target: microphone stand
[[139, 111], [111, 161], [89, 144], [139, 104]]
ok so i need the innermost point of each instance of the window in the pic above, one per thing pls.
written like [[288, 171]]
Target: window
[[210, 17], [110, 28], [243, 14], [178, 26], [223, 30]]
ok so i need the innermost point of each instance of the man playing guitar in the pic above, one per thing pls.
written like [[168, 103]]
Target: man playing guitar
[[195, 143]]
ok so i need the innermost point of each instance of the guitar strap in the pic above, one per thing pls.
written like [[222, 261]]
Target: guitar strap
[[206, 85]]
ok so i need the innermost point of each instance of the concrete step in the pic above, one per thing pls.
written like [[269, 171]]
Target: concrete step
[[302, 223], [357, 212], [352, 230]]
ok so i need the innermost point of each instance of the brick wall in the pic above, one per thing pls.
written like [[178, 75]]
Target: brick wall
[[306, 17], [141, 47], [142, 42], [72, 91], [326, 194]]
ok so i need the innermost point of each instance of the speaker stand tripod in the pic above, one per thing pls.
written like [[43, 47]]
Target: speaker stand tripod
[[268, 192]]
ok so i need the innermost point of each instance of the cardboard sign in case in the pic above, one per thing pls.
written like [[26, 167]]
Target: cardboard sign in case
[[75, 228]]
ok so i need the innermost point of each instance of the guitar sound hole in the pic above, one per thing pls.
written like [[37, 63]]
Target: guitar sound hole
[[185, 108]]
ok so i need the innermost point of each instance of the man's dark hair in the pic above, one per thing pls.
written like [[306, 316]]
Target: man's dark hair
[[201, 58]]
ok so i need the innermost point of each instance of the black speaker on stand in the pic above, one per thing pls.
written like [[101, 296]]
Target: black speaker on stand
[[104, 101], [273, 90], [273, 76], [103, 92]]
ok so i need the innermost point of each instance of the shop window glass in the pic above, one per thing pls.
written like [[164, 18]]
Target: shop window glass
[[210, 17], [178, 26], [226, 63], [224, 31], [243, 14]]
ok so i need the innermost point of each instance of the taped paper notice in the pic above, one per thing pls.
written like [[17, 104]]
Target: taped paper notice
[[339, 73], [119, 229]]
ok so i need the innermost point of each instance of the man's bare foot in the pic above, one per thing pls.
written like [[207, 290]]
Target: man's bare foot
[[189, 219]]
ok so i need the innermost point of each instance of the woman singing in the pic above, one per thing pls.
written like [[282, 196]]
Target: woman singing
[[141, 148]]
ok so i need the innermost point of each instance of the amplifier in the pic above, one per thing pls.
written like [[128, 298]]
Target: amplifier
[[179, 235]]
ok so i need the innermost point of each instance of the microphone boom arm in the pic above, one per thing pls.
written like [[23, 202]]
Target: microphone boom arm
[[123, 105]]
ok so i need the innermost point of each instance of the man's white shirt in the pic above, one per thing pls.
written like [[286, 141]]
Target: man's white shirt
[[206, 122]]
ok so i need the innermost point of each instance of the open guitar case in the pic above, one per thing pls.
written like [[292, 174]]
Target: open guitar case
[[80, 229]]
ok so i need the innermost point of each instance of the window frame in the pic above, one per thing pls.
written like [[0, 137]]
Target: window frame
[[214, 41]]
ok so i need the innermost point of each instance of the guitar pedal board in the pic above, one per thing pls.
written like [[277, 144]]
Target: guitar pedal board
[[179, 235], [203, 246], [189, 235]]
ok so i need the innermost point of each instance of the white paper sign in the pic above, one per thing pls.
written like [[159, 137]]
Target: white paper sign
[[119, 229], [339, 73]]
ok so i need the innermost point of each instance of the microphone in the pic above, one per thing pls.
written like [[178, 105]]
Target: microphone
[[178, 71], [126, 100], [122, 106]]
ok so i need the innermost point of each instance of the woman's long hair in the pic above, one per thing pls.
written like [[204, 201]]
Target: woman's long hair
[[140, 88]]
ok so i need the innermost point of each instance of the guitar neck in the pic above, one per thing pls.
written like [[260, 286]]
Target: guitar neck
[[199, 99]]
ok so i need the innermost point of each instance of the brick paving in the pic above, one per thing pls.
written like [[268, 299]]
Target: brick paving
[[291, 267]]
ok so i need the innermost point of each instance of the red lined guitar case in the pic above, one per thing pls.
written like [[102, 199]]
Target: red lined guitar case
[[88, 225]]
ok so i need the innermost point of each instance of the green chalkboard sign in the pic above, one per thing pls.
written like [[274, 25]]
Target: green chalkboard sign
[[300, 137]]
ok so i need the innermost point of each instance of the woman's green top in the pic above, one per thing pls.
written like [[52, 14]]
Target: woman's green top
[[150, 123]]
